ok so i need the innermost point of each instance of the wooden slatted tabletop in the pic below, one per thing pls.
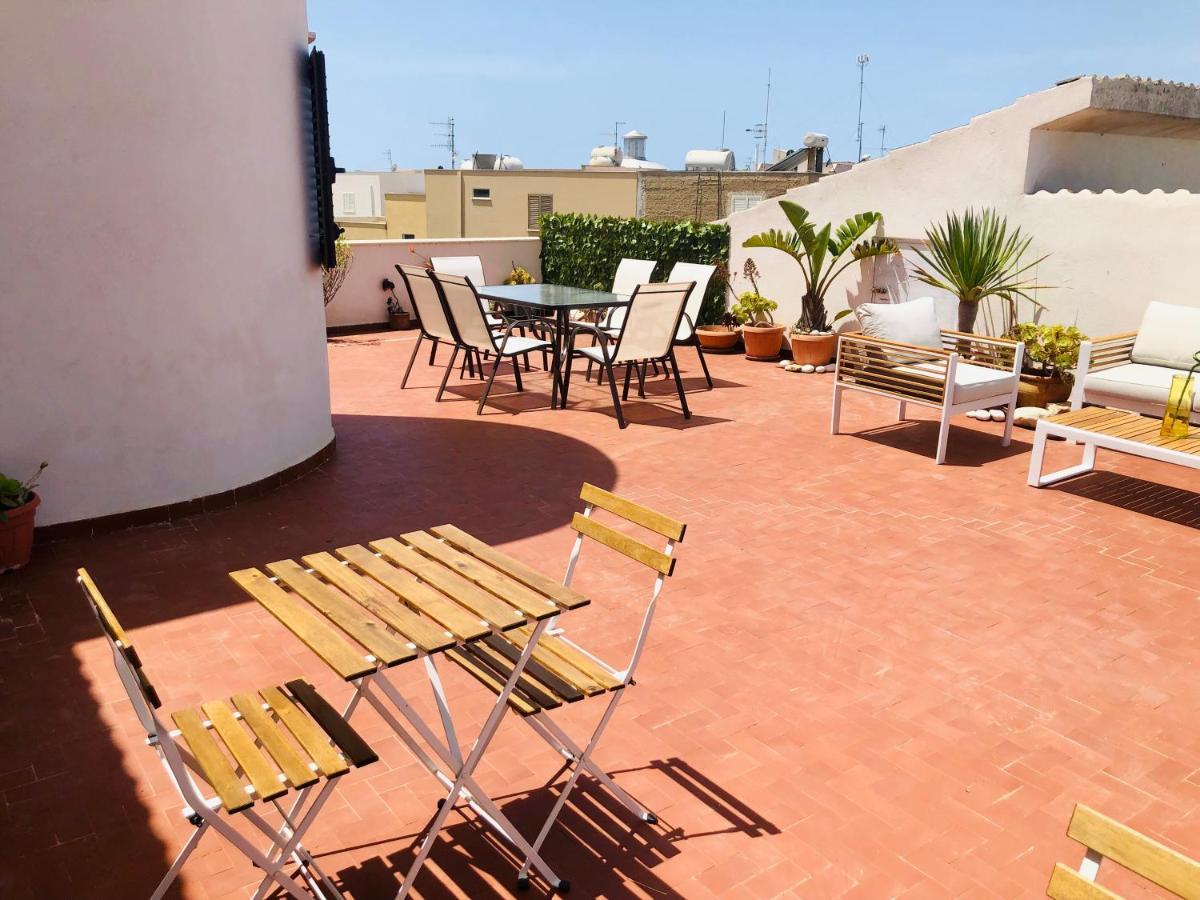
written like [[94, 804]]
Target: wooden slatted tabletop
[[1126, 425], [366, 607]]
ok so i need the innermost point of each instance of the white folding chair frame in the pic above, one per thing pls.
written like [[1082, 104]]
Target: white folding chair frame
[[205, 813]]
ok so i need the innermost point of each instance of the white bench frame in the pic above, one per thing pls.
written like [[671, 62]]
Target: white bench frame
[[1091, 441]]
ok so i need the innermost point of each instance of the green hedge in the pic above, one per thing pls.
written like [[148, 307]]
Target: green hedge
[[584, 251]]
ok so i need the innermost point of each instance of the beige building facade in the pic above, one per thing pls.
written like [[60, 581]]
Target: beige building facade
[[504, 203], [708, 196]]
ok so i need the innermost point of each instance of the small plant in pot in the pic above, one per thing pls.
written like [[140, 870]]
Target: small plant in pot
[[398, 317], [721, 337], [819, 254], [18, 507], [1051, 352], [763, 338]]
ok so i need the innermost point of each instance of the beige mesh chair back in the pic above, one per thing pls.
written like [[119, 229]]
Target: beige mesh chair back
[[251, 750], [686, 335], [647, 335], [1106, 838], [651, 321], [466, 266], [427, 302], [472, 331], [630, 273]]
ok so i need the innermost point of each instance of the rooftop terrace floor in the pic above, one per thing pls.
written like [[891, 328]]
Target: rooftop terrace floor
[[871, 676]]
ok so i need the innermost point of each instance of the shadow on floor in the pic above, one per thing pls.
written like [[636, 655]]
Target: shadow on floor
[[1159, 501], [66, 798], [596, 844], [967, 446]]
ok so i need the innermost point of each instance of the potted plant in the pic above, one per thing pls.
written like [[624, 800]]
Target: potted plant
[[819, 254], [398, 317], [18, 507], [721, 337], [1051, 352], [518, 275], [975, 257], [763, 338]]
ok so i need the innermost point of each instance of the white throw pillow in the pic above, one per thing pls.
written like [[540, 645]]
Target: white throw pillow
[[914, 322], [1169, 335]]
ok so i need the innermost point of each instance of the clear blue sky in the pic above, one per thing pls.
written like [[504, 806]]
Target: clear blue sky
[[546, 80]]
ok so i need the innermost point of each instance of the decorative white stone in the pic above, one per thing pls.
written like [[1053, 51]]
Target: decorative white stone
[[808, 368], [1027, 416], [820, 370], [792, 367], [978, 414], [784, 363], [997, 415]]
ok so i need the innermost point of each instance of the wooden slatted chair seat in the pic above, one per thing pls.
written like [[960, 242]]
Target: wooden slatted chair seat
[[259, 746], [1107, 838], [251, 749]]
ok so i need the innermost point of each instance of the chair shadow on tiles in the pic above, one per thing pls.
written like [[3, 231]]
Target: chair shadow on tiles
[[968, 446], [595, 843], [1158, 501]]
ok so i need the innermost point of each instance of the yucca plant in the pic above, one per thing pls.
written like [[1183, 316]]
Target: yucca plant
[[818, 253], [974, 256]]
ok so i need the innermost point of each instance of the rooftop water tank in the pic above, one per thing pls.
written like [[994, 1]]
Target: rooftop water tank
[[709, 161]]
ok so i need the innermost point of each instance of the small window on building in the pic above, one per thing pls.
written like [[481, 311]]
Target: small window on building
[[539, 205], [741, 202], [348, 205], [481, 193], [408, 237]]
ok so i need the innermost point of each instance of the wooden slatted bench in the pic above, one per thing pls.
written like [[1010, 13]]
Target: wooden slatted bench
[[1111, 429], [1106, 838]]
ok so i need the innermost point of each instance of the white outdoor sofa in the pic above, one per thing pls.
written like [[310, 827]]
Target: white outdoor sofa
[[1133, 371]]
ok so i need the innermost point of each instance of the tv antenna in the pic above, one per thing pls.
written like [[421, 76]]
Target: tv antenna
[[759, 129], [882, 129], [388, 155], [616, 133], [722, 145], [863, 59], [447, 136]]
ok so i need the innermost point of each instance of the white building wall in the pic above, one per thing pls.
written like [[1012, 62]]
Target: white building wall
[[157, 346], [1110, 252], [364, 188]]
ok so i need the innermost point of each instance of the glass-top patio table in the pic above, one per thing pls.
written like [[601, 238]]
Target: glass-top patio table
[[559, 300]]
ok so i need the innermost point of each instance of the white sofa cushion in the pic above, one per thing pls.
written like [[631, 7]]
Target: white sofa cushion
[[1133, 386], [914, 322], [1168, 336], [971, 383]]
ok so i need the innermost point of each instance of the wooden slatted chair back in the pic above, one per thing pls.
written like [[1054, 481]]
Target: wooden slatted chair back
[[141, 690], [634, 548], [1106, 838]]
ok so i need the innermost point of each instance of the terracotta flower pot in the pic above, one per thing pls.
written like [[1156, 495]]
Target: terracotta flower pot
[[399, 321], [717, 337], [813, 349], [1040, 390], [16, 535], [763, 341]]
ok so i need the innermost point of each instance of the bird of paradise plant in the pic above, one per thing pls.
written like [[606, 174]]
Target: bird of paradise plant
[[819, 252]]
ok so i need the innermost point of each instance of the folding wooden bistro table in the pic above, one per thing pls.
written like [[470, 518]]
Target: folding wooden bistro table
[[363, 610]]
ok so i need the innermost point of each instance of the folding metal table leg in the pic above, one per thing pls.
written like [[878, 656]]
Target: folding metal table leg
[[176, 866]]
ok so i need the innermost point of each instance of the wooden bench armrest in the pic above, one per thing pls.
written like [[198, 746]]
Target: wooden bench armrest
[[892, 368], [980, 338], [1098, 354], [858, 337]]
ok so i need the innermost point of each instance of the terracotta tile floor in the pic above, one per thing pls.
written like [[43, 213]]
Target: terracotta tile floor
[[871, 676]]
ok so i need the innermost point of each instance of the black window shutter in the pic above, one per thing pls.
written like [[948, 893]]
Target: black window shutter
[[323, 230]]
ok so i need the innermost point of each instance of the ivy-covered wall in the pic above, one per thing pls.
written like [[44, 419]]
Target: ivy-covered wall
[[584, 251]]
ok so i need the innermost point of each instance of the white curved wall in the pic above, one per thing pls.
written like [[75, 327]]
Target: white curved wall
[[156, 346]]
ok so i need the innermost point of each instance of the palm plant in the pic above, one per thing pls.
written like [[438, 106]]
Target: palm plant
[[818, 253], [974, 257]]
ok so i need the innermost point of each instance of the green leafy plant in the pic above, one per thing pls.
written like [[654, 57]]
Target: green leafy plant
[[15, 494], [819, 254], [1050, 350], [518, 275], [975, 256], [754, 309], [332, 279], [584, 251]]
